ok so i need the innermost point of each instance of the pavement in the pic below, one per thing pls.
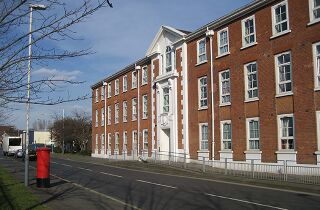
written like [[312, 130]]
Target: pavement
[[79, 184]]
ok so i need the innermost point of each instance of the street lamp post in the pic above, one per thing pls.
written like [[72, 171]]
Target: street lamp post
[[26, 175]]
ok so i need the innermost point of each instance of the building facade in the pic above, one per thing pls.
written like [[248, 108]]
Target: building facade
[[245, 86]]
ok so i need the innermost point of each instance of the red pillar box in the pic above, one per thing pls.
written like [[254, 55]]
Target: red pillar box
[[43, 167]]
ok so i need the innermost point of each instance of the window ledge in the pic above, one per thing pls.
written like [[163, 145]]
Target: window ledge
[[145, 118], [249, 45], [222, 55], [313, 22], [225, 104], [251, 100], [134, 88], [125, 121], [252, 151], [144, 84], [203, 151], [124, 91], [202, 62], [317, 152], [202, 108], [134, 120], [286, 152], [317, 89], [226, 151], [284, 94], [280, 34]]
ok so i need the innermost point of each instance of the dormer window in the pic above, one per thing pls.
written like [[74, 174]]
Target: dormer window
[[168, 60]]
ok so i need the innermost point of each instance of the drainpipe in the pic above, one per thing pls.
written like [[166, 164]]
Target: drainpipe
[[137, 68], [210, 34], [105, 118]]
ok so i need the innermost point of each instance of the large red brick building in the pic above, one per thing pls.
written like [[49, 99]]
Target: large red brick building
[[245, 86]]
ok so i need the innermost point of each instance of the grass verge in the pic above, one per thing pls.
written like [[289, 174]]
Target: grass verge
[[14, 195]]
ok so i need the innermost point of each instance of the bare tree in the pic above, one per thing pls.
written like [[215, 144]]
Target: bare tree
[[74, 130], [53, 25]]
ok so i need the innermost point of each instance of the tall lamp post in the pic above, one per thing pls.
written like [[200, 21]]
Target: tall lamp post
[[26, 175]]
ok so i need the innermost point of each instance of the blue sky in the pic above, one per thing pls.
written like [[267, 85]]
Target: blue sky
[[119, 36]]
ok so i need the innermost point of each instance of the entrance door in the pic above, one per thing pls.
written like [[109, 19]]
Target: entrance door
[[164, 148]]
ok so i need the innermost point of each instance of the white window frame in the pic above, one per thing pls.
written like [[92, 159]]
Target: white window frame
[[102, 93], [220, 54], [145, 139], [273, 15], [316, 66], [201, 140], [109, 90], [134, 79], [116, 113], [97, 95], [311, 14], [116, 87], [279, 117], [244, 35], [145, 106], [125, 140], [125, 83], [222, 136], [248, 121], [246, 82], [220, 88], [125, 111], [109, 115], [201, 54], [204, 99], [102, 116], [97, 118], [165, 107], [144, 75], [134, 108], [97, 141], [133, 135], [277, 68], [168, 57], [109, 140], [116, 140]]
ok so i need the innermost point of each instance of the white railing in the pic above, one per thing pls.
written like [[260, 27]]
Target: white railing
[[282, 171]]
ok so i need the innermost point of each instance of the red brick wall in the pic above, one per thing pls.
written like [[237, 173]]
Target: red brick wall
[[302, 104]]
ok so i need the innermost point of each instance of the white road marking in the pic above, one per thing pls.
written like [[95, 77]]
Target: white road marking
[[111, 174], [162, 185], [61, 164], [66, 165], [244, 201], [98, 193]]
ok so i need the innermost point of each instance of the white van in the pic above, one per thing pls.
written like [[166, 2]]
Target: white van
[[11, 144]]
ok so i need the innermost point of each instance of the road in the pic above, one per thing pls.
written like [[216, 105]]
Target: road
[[142, 190]]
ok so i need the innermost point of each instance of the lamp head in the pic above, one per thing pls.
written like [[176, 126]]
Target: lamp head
[[38, 6]]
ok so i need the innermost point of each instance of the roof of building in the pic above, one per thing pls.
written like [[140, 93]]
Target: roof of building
[[227, 19]]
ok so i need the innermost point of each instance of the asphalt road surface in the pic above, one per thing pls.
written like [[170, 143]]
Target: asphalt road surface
[[142, 190]]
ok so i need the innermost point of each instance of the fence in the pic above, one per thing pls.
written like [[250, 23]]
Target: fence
[[284, 171]]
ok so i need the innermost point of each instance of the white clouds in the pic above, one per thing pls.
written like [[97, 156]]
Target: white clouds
[[57, 74]]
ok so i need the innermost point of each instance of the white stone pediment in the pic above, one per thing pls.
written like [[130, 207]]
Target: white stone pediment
[[166, 36]]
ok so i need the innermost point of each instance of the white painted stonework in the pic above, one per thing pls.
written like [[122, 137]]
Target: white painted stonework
[[253, 155], [227, 154], [289, 156]]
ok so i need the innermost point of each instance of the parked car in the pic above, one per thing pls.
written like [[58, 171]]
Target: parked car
[[18, 153]]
